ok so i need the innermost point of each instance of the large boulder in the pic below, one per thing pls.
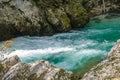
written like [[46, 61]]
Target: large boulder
[[76, 13], [19, 71], [39, 17], [7, 64], [43, 70]]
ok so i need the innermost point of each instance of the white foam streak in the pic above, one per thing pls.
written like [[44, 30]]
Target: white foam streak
[[28, 53], [91, 51]]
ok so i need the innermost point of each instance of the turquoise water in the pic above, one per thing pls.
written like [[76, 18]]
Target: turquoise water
[[76, 50]]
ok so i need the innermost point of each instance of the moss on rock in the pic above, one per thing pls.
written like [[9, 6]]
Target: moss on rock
[[77, 14], [1, 68], [40, 17]]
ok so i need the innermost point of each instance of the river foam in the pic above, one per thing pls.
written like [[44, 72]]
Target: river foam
[[39, 52]]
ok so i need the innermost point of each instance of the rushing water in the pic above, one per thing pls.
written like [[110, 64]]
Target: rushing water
[[76, 50]]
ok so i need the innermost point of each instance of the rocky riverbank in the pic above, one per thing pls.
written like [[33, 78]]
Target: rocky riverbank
[[108, 69], [13, 69], [40, 17]]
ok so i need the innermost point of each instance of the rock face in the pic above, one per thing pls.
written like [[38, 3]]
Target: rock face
[[97, 7], [109, 69], [40, 70], [7, 64], [39, 17], [10, 62]]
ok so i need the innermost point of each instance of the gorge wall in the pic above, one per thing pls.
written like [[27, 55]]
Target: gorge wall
[[40, 17]]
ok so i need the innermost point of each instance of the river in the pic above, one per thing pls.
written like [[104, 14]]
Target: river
[[77, 50]]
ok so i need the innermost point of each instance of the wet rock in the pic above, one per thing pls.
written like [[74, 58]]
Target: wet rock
[[96, 19], [112, 15]]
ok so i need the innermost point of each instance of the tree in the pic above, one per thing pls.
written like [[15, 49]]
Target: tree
[[103, 6], [5, 48]]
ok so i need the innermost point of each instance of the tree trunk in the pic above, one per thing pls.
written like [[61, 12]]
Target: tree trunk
[[103, 6]]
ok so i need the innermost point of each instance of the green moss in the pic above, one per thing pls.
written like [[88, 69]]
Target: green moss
[[1, 67], [33, 2], [112, 59], [76, 76], [77, 14], [48, 30], [66, 22], [98, 67], [110, 78], [47, 3]]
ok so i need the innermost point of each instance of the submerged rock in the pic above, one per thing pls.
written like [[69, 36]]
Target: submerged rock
[[96, 19], [39, 17], [40, 70], [112, 15], [109, 69]]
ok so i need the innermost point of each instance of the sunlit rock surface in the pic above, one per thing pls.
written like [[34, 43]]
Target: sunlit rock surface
[[13, 69]]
